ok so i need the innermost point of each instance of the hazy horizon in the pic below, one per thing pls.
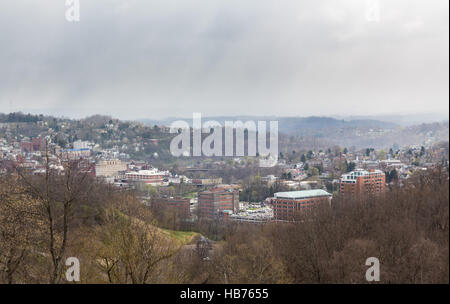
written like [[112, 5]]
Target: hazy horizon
[[397, 118]]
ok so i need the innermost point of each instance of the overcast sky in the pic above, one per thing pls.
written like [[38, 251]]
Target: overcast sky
[[153, 59]]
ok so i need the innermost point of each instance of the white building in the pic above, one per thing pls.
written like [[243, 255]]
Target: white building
[[109, 168], [153, 176], [80, 145]]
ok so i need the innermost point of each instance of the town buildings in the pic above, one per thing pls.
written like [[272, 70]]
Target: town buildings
[[79, 144], [214, 202], [73, 154], [109, 168], [359, 183], [152, 176], [35, 144], [286, 205]]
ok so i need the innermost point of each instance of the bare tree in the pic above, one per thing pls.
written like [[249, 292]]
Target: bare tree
[[17, 227], [129, 250], [64, 183]]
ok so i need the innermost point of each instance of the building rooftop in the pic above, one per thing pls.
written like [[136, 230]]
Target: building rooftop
[[145, 172], [302, 194], [359, 172]]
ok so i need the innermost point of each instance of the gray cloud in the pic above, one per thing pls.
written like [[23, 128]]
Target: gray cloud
[[136, 58]]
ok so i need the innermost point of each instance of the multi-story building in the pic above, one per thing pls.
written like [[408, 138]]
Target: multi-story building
[[212, 203], [26, 146], [72, 154], [110, 168], [286, 205], [35, 144], [153, 176], [38, 143], [181, 206], [361, 182], [80, 144]]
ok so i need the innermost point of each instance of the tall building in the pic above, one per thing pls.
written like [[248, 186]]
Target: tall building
[[361, 182], [109, 168], [286, 205], [212, 203], [181, 206]]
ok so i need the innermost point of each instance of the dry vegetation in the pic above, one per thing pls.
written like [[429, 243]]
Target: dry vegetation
[[45, 219]]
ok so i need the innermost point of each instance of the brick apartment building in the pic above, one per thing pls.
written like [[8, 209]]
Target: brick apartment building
[[181, 206], [36, 144], [213, 202], [26, 147], [288, 204], [361, 182]]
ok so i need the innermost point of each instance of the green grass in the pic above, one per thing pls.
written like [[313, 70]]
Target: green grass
[[183, 237]]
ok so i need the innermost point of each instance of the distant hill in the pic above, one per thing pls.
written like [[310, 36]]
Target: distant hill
[[403, 120], [294, 132], [290, 125], [363, 137], [323, 132]]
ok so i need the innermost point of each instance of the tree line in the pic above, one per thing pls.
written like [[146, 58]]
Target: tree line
[[46, 219]]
